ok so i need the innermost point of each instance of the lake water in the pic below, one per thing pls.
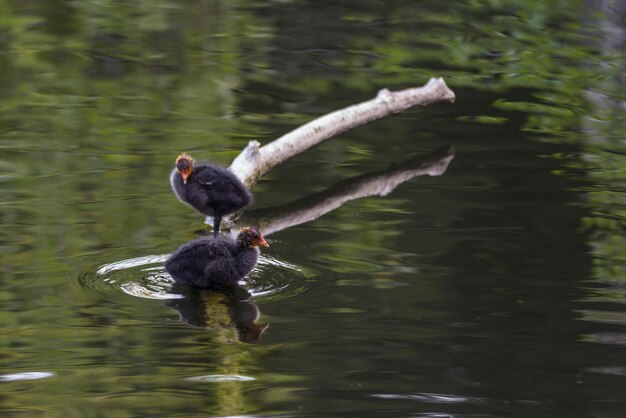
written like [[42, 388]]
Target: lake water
[[496, 289]]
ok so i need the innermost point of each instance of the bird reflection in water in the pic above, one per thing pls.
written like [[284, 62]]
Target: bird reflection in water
[[220, 309]]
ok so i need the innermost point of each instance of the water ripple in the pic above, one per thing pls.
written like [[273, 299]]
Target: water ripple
[[132, 262], [429, 397], [145, 277], [613, 370], [274, 279]]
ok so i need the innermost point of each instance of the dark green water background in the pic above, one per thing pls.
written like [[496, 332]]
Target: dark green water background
[[494, 290]]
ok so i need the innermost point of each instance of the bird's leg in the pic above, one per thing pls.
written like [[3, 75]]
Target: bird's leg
[[217, 219]]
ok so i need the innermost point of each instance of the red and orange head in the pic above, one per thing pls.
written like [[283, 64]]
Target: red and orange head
[[184, 165], [250, 237]]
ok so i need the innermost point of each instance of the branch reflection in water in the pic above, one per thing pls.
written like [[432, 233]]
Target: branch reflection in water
[[381, 183], [229, 306]]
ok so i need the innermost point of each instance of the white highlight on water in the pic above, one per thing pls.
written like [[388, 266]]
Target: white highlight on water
[[220, 378], [428, 397], [12, 377]]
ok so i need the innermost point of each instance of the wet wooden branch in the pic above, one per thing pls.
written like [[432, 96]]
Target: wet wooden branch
[[256, 160]]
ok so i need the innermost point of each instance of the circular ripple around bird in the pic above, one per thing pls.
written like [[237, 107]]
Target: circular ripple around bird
[[273, 279], [145, 277]]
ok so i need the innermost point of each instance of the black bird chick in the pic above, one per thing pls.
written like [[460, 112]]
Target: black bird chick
[[216, 262], [210, 189]]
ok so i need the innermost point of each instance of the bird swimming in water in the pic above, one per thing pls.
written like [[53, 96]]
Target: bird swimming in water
[[210, 189], [216, 262]]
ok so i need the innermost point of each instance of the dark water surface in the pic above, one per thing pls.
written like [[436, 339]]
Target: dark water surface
[[497, 289]]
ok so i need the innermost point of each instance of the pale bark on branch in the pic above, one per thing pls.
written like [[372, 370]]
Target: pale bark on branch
[[254, 161]]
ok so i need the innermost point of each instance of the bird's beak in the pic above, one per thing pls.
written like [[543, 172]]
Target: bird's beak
[[262, 242], [185, 176]]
